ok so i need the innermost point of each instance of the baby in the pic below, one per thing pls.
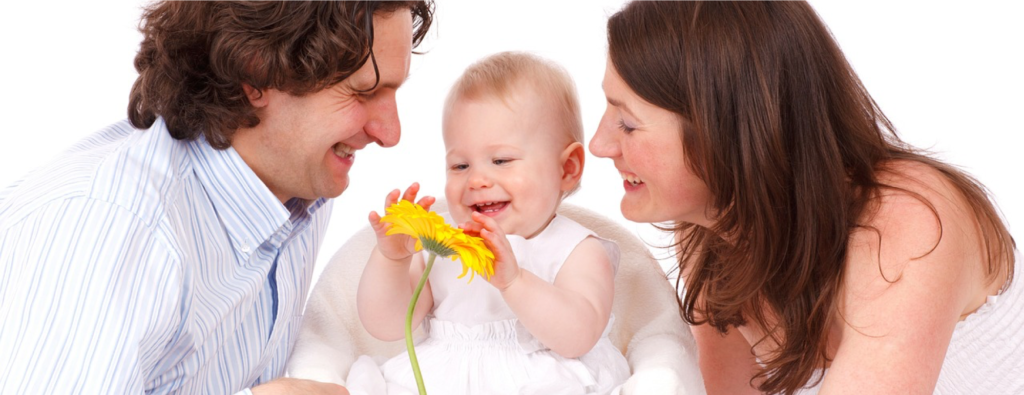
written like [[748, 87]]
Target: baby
[[539, 325]]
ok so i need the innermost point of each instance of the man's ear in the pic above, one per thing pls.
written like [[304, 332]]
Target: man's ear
[[572, 165], [256, 97]]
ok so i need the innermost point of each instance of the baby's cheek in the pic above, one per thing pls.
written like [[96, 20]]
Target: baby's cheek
[[452, 194], [460, 214]]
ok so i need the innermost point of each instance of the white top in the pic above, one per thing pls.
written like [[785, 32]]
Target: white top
[[471, 303], [475, 344], [986, 354]]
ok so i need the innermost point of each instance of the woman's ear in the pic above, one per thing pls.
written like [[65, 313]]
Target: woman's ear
[[256, 97], [572, 165]]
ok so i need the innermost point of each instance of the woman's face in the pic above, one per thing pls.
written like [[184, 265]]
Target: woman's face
[[645, 142]]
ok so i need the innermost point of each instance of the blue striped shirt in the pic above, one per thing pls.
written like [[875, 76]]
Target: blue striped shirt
[[136, 263]]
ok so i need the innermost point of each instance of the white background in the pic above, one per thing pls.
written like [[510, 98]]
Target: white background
[[948, 74]]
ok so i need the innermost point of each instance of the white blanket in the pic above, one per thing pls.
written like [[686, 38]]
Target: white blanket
[[661, 351]]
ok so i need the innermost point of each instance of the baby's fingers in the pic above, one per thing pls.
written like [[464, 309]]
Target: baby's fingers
[[497, 242], [471, 227], [375, 223], [426, 202], [392, 198], [488, 223], [410, 193], [492, 234]]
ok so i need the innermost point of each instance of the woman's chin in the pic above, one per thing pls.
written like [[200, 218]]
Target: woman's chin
[[635, 212], [645, 213]]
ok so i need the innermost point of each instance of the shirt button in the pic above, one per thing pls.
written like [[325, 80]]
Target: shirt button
[[245, 246]]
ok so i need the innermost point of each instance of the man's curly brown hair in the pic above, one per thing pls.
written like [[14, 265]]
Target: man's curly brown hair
[[196, 55]]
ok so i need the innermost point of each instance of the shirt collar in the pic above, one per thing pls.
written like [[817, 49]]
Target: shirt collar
[[302, 211], [249, 211], [315, 205]]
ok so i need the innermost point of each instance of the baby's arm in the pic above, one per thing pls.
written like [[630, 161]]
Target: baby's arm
[[390, 276], [568, 316]]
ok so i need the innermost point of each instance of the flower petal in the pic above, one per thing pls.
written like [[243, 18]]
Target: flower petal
[[433, 234]]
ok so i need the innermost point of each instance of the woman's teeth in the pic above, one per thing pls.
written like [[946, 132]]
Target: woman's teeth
[[631, 178]]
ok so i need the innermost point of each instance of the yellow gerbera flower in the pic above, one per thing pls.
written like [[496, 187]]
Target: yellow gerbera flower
[[434, 235]]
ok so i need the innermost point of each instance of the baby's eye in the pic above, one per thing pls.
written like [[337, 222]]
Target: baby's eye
[[501, 161], [460, 166]]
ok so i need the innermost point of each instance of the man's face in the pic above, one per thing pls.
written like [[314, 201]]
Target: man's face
[[304, 146]]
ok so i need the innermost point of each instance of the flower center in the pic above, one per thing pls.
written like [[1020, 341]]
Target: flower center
[[436, 247]]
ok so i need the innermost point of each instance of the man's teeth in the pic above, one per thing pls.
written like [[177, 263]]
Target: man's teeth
[[343, 150], [631, 178]]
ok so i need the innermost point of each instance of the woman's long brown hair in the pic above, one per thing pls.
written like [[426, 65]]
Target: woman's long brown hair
[[790, 143]]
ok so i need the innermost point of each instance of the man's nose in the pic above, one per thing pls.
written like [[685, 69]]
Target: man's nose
[[383, 126]]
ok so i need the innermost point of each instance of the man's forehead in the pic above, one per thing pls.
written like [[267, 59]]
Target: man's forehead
[[392, 47], [391, 54]]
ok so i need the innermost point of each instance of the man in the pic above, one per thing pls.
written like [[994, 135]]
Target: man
[[172, 253]]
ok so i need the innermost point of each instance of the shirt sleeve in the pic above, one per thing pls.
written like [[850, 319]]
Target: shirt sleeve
[[87, 299]]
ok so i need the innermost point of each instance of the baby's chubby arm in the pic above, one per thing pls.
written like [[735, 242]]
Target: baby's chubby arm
[[390, 276], [568, 316]]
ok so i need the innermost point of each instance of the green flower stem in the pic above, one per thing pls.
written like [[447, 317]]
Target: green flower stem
[[408, 326]]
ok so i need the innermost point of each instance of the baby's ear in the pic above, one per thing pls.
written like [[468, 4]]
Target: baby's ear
[[572, 166]]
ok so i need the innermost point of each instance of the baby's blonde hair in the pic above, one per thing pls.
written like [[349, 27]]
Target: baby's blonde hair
[[498, 75]]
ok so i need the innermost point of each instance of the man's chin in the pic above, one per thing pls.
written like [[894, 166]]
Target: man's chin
[[336, 189], [339, 191]]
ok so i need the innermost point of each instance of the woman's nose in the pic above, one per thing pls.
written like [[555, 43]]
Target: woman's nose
[[604, 143]]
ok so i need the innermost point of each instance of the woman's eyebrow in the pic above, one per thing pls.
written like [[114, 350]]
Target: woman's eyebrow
[[621, 105]]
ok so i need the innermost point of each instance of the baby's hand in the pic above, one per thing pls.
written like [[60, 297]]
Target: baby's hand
[[506, 269], [397, 247]]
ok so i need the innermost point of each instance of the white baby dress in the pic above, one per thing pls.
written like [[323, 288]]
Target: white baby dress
[[476, 346]]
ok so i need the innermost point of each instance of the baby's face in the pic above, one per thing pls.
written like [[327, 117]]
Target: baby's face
[[504, 161]]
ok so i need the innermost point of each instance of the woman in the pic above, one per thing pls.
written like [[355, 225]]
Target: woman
[[817, 249]]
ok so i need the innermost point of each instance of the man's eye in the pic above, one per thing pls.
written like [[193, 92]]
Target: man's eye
[[364, 96]]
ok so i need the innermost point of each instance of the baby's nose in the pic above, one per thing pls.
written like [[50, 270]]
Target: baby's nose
[[479, 181]]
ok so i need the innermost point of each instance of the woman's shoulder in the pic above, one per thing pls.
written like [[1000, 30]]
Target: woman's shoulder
[[918, 238], [918, 209], [915, 266]]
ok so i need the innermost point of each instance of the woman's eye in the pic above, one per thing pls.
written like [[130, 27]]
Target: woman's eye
[[625, 128]]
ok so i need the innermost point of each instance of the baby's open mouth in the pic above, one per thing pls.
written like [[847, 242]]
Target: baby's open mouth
[[489, 207]]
